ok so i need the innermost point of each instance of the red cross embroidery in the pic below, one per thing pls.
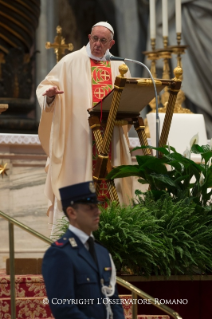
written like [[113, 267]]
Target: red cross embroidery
[[105, 75], [99, 93]]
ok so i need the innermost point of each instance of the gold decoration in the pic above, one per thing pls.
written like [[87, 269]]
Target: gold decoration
[[31, 308], [35, 285], [152, 56], [153, 44], [166, 55], [59, 45], [148, 82], [3, 169], [112, 190], [178, 71], [165, 42], [147, 131], [174, 89], [178, 38], [140, 129], [120, 122], [102, 167], [99, 140], [123, 68], [178, 50]]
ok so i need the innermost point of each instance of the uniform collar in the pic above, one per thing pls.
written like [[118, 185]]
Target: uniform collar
[[83, 237]]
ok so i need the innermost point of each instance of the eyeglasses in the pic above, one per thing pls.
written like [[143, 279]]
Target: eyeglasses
[[96, 39]]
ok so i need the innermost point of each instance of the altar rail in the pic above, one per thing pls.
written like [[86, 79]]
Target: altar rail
[[134, 290]]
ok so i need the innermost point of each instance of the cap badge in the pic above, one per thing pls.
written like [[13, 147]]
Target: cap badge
[[92, 187]]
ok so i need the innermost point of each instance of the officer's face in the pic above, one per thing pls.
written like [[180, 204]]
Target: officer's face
[[100, 40], [84, 217]]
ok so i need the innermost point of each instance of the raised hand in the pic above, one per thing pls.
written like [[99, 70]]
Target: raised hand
[[52, 91]]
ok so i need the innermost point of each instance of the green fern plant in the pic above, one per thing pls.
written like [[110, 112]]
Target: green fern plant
[[60, 228], [160, 237]]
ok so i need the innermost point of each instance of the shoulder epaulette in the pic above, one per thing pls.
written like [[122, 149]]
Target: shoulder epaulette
[[61, 242]]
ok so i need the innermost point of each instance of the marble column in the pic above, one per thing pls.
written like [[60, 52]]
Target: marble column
[[131, 33], [46, 31]]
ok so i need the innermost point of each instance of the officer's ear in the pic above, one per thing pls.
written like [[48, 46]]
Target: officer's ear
[[71, 213]]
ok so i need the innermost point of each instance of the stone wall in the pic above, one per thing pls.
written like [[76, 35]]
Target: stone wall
[[22, 193]]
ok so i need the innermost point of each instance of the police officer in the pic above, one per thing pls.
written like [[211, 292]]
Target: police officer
[[79, 273]]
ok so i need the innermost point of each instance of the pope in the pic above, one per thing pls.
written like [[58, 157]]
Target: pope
[[78, 81]]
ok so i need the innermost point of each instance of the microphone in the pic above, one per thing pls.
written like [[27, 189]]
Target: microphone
[[110, 57]]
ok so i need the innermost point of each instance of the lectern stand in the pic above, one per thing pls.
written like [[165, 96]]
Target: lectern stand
[[123, 106]]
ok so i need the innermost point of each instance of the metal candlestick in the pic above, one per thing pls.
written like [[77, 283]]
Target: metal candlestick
[[152, 56], [165, 54], [179, 50]]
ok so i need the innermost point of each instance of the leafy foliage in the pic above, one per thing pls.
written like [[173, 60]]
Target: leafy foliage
[[61, 228], [157, 237], [173, 173], [160, 237], [168, 229]]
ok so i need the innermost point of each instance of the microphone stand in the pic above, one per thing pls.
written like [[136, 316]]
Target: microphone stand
[[114, 58]]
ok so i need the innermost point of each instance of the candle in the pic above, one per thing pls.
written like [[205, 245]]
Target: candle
[[178, 15], [165, 17], [152, 20]]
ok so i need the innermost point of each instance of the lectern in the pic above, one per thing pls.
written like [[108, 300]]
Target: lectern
[[123, 106]]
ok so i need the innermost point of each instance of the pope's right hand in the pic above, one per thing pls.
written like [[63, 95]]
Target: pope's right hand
[[52, 91]]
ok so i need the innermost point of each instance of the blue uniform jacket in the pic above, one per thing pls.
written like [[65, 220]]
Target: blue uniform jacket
[[73, 281]]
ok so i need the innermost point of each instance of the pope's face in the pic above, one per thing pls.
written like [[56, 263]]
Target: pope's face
[[84, 217], [100, 40]]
